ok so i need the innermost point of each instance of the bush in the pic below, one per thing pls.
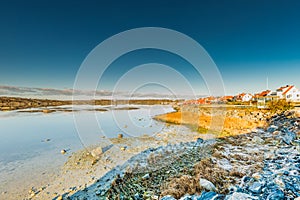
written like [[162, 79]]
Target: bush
[[279, 106]]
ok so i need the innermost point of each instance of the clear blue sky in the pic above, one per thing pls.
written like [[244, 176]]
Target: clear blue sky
[[43, 43]]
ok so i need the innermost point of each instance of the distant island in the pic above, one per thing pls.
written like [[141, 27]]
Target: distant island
[[16, 103]]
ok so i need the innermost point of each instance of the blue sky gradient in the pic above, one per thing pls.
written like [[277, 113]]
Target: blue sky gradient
[[43, 43]]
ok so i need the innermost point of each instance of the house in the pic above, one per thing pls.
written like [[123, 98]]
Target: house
[[266, 95], [244, 97], [226, 98], [288, 92]]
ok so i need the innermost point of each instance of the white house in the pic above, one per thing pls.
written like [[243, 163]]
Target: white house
[[244, 97], [288, 92]]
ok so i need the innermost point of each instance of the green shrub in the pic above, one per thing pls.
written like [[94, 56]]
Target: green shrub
[[279, 106]]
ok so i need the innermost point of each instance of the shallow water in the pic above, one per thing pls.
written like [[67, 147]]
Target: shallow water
[[33, 141]]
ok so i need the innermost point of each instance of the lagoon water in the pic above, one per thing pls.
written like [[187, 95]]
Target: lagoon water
[[31, 142]]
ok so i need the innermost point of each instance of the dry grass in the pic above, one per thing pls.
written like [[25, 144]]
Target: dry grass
[[178, 187], [224, 125]]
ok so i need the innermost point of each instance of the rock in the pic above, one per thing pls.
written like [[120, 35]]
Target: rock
[[239, 196], [255, 187], [257, 140], [294, 173], [276, 195], [288, 137], [186, 197], [47, 111], [286, 173], [225, 164], [97, 152], [123, 148], [199, 140], [168, 197], [137, 196], [210, 196], [279, 182], [63, 151], [120, 135], [256, 176], [269, 155], [146, 176], [272, 128], [207, 185], [59, 198]]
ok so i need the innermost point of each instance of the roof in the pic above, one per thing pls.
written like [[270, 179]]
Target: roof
[[244, 94], [289, 88], [283, 87], [264, 93]]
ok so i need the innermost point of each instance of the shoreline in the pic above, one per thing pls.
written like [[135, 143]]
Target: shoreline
[[92, 170], [74, 178], [225, 164]]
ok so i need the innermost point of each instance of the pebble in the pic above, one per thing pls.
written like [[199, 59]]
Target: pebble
[[123, 148], [63, 151]]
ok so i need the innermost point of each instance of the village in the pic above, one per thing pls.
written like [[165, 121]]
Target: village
[[289, 93]]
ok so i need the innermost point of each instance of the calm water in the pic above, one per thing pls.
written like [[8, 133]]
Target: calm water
[[33, 140]]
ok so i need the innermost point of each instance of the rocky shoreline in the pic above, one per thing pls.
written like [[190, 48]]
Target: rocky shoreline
[[263, 164]]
